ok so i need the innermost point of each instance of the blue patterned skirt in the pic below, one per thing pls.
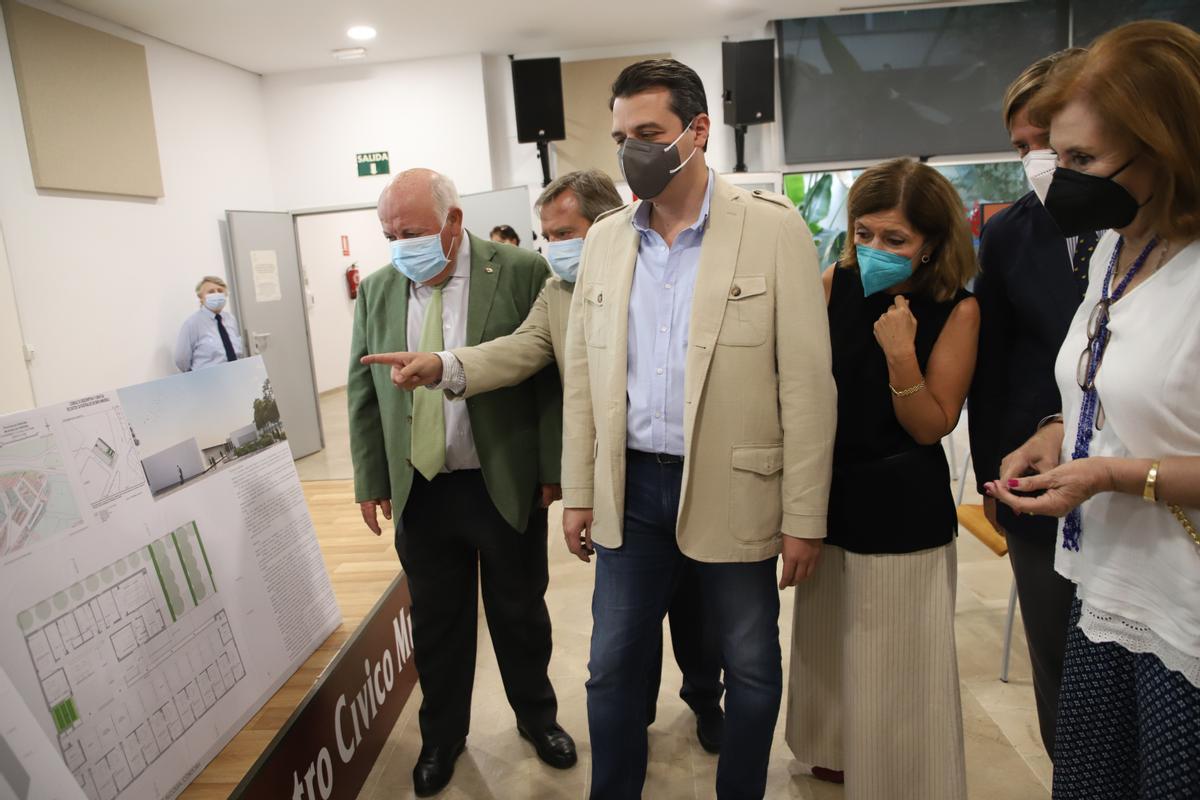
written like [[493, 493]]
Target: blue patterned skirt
[[1128, 727]]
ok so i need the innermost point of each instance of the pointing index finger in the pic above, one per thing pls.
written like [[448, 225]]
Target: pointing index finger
[[395, 359]]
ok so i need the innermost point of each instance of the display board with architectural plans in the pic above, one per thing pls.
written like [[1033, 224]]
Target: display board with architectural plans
[[159, 576]]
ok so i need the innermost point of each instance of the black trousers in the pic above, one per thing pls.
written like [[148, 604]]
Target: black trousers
[[450, 541], [1046, 599]]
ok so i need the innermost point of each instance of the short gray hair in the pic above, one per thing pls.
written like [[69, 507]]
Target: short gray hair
[[445, 194], [441, 189], [210, 279], [595, 190]]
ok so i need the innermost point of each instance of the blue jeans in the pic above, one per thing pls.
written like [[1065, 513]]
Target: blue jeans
[[634, 587]]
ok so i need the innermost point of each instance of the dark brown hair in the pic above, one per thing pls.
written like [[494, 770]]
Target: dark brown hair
[[932, 207], [687, 90], [507, 233]]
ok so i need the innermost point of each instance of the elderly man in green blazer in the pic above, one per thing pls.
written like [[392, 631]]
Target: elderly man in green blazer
[[465, 482]]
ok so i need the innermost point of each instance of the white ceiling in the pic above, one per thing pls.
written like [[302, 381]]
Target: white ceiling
[[268, 36]]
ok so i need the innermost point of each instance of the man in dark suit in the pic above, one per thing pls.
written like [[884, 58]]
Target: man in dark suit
[[466, 480], [1032, 281]]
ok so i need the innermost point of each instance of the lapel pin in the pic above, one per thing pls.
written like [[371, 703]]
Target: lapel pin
[[488, 269]]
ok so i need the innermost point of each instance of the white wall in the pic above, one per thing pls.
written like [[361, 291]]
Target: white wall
[[103, 283], [514, 164], [424, 113]]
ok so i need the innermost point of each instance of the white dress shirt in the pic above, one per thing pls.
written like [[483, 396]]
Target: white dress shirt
[[460, 442]]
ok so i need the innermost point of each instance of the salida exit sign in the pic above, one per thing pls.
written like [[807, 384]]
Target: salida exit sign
[[372, 164]]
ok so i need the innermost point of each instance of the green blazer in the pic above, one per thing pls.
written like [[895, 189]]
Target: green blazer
[[518, 430]]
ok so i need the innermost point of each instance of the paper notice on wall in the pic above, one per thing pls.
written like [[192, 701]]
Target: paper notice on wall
[[265, 266]]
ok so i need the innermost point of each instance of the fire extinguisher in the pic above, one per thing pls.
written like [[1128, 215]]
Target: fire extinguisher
[[352, 280]]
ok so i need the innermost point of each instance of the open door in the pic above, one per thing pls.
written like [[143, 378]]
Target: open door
[[269, 293]]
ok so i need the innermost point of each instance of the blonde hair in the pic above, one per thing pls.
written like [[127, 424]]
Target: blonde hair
[[1030, 82], [932, 207], [1143, 81], [211, 279]]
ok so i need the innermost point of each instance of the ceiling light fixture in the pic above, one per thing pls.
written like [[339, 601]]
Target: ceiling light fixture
[[361, 33], [350, 53]]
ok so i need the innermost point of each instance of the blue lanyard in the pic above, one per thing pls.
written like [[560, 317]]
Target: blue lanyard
[[1073, 528]]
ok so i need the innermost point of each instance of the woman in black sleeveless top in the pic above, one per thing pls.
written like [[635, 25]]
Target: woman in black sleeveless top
[[874, 673]]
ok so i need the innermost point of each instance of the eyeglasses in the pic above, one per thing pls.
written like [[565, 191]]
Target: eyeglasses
[[1093, 354]]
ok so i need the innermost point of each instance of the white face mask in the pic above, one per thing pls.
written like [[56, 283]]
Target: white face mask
[[1039, 169]]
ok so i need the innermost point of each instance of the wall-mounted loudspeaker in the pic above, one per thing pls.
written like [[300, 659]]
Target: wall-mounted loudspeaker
[[749, 72], [537, 91]]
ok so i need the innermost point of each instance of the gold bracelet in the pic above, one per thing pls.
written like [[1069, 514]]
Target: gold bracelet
[[1150, 490], [906, 392], [1150, 495], [1186, 523]]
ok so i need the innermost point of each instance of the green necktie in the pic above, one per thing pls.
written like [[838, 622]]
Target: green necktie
[[429, 417]]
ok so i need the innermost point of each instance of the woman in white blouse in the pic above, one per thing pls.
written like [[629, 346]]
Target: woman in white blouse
[[1122, 467]]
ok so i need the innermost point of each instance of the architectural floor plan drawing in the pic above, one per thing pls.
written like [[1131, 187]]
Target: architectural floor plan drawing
[[36, 500], [130, 657]]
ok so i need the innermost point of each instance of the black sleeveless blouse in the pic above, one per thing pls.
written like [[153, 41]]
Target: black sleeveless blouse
[[889, 493]]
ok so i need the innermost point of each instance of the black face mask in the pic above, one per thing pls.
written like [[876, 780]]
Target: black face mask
[[1082, 203], [648, 167]]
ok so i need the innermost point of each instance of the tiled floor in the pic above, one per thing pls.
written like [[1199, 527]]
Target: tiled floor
[[1005, 759]]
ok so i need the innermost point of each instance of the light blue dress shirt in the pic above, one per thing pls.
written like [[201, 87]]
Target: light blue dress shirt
[[199, 343], [660, 310]]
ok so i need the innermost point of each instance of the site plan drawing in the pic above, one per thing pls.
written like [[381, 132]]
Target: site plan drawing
[[36, 500], [102, 446]]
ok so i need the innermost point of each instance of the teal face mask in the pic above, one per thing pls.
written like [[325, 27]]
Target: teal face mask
[[564, 258], [880, 269], [419, 259]]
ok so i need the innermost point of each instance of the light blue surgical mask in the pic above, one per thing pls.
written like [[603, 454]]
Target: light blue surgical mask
[[420, 259], [564, 257], [880, 269], [214, 302]]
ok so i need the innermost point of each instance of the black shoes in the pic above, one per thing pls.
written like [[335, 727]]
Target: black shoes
[[435, 768], [554, 745], [710, 729]]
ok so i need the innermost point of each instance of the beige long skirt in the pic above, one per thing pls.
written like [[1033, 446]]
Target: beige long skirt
[[873, 688]]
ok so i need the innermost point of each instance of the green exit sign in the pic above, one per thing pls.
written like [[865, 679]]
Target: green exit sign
[[372, 164]]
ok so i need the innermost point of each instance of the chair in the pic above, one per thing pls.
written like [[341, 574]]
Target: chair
[[971, 517]]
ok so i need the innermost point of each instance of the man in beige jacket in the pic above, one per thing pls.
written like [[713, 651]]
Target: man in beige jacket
[[698, 423], [568, 207]]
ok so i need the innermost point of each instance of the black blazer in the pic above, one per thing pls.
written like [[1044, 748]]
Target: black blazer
[[1027, 295]]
